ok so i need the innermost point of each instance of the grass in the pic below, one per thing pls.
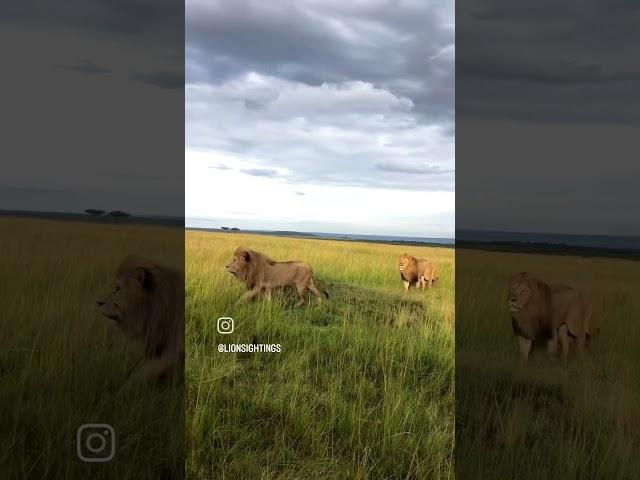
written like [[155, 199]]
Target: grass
[[579, 420], [60, 366], [362, 389]]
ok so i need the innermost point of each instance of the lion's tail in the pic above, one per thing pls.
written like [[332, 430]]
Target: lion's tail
[[325, 294], [590, 333]]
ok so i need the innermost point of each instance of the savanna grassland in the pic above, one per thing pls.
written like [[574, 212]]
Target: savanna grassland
[[547, 420], [363, 387], [60, 364]]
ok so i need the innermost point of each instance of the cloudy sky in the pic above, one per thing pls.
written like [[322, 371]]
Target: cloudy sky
[[92, 104], [548, 116], [321, 115]]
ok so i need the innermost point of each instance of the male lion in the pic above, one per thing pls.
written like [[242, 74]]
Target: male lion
[[547, 312], [259, 272], [418, 272], [148, 304]]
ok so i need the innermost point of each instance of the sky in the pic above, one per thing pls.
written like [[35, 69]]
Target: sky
[[321, 116], [547, 116], [94, 104]]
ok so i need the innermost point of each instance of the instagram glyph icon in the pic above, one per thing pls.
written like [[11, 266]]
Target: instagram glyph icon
[[225, 325], [96, 442]]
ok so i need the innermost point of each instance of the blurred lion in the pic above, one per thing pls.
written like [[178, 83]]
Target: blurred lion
[[418, 272], [549, 313], [259, 272], [148, 304]]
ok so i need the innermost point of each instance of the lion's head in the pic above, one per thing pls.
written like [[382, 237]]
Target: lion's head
[[148, 303], [128, 303], [530, 304], [240, 263], [246, 265], [522, 288], [408, 267]]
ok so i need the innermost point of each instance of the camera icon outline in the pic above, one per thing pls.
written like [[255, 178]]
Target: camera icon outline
[[225, 325], [105, 434]]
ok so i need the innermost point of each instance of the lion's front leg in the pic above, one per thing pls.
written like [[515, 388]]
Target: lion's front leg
[[552, 344], [525, 349], [249, 294], [563, 332], [153, 370], [406, 285]]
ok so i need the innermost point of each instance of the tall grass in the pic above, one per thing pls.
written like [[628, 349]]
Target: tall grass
[[580, 420], [363, 386], [60, 366]]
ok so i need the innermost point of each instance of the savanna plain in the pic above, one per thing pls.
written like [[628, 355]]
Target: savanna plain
[[363, 387], [579, 420], [62, 366]]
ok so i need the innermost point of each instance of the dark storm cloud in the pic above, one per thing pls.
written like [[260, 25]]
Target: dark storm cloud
[[82, 95], [407, 47], [169, 80], [153, 20], [548, 107], [549, 61], [87, 67], [326, 90]]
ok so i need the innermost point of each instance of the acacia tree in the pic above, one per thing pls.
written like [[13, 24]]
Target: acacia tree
[[117, 214], [94, 211]]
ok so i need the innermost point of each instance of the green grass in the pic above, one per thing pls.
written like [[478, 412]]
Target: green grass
[[60, 366], [363, 387], [580, 420]]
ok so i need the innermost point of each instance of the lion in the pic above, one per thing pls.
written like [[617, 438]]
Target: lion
[[418, 272], [147, 303], [549, 313], [259, 272]]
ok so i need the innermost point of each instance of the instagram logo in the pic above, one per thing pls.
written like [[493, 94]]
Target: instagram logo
[[225, 325], [96, 442]]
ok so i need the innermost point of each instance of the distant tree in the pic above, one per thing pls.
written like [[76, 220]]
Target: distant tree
[[95, 212], [225, 228], [235, 229], [118, 214]]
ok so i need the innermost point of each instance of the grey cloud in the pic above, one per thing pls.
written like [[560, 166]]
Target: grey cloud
[[399, 167], [395, 47], [260, 172], [301, 194], [153, 22], [87, 67], [220, 167], [326, 92], [549, 61], [169, 80]]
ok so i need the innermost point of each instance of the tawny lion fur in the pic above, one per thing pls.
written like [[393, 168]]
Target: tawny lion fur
[[417, 271], [148, 304], [261, 273], [553, 313]]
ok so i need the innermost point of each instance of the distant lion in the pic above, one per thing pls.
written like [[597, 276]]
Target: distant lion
[[547, 312], [148, 304], [418, 272], [259, 272]]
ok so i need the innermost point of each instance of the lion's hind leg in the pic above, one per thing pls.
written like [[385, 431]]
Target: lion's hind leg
[[314, 290], [301, 288]]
